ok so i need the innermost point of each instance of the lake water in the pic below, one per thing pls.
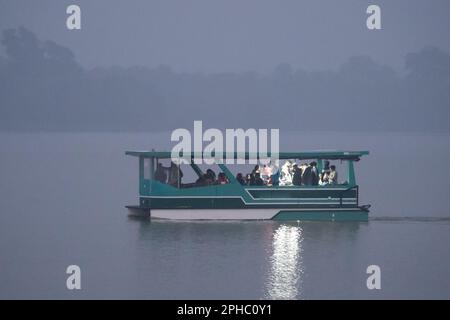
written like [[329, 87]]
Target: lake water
[[62, 198]]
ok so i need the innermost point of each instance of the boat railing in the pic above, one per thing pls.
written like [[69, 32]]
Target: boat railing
[[355, 187]]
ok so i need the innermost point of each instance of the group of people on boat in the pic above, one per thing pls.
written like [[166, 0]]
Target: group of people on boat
[[209, 178], [307, 174], [172, 175], [291, 173]]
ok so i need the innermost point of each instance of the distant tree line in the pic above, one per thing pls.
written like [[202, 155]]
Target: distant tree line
[[42, 87]]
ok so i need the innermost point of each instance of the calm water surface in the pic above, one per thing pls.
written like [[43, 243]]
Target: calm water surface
[[62, 198]]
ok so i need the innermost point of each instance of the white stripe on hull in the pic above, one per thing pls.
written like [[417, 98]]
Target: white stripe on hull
[[214, 214], [229, 214]]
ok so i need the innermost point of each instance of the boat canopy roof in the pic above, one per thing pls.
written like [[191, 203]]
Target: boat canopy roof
[[344, 155]]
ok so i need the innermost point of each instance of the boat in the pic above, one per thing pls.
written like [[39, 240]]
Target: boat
[[234, 201]]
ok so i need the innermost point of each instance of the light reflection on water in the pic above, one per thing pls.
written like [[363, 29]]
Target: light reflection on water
[[286, 268]]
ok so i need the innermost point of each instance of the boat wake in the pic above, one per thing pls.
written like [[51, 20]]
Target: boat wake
[[411, 219]]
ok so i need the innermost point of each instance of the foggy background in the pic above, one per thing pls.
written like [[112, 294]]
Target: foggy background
[[159, 65]]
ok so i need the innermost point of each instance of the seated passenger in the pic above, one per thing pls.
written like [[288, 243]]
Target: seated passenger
[[275, 178], [175, 175], [266, 172], [248, 179], [323, 178], [258, 180], [256, 169], [240, 179], [333, 176], [160, 173], [222, 178], [211, 175]]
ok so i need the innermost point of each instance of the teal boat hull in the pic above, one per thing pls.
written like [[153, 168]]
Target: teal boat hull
[[312, 214]]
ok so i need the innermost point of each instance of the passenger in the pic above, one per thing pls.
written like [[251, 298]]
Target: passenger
[[303, 166], [297, 177], [209, 180], [211, 175], [248, 179], [307, 175], [222, 178], [175, 175], [275, 178], [314, 174], [323, 178], [286, 174], [266, 172], [333, 176], [252, 179], [256, 169], [326, 166], [258, 180], [240, 179], [160, 173]]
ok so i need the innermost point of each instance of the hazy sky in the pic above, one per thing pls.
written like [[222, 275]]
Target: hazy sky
[[234, 35]]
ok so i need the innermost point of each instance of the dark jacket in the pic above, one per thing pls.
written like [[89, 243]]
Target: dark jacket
[[297, 178], [307, 176]]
